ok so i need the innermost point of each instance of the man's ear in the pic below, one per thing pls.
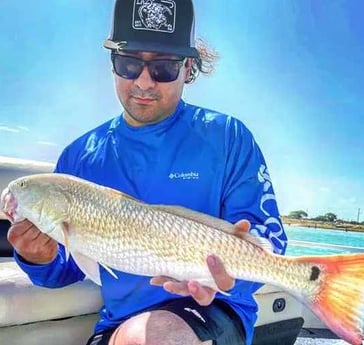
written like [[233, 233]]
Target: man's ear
[[188, 66]]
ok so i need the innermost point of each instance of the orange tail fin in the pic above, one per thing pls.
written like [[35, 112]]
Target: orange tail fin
[[340, 300]]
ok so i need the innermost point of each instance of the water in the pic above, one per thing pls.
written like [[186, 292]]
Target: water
[[325, 237]]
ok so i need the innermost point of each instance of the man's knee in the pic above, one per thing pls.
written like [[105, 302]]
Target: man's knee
[[158, 327]]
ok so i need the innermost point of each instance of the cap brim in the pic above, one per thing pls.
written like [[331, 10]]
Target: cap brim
[[151, 47]]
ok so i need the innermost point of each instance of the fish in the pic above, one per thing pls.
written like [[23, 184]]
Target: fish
[[99, 225]]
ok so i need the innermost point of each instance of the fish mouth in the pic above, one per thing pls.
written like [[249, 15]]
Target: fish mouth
[[8, 205]]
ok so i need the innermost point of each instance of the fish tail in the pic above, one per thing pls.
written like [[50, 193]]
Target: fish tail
[[339, 302]]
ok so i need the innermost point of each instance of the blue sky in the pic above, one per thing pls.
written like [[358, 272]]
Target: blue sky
[[292, 71]]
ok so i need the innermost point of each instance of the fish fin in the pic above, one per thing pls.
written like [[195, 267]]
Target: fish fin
[[196, 216], [119, 194], [240, 229], [107, 268], [339, 302], [88, 266], [64, 231]]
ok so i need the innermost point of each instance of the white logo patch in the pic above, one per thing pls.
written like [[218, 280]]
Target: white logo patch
[[154, 15]]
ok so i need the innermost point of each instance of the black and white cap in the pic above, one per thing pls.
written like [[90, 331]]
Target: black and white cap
[[164, 26]]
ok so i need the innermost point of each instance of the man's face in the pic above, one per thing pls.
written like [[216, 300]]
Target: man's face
[[146, 101]]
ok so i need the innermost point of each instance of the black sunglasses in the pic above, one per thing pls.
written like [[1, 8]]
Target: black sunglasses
[[160, 70]]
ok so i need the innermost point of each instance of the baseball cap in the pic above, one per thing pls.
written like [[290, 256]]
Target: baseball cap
[[164, 26]]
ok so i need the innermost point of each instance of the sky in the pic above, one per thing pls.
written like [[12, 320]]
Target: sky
[[292, 71]]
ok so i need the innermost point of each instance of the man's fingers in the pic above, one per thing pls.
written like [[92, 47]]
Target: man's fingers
[[241, 227], [222, 279], [178, 288], [171, 285], [33, 245], [203, 295], [19, 229], [25, 232], [160, 280]]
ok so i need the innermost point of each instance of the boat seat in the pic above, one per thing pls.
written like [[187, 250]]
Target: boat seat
[[22, 302], [33, 315]]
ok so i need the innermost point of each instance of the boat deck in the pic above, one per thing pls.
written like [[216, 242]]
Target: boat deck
[[318, 337]]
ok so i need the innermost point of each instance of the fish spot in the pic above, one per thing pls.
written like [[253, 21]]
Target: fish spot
[[315, 273]]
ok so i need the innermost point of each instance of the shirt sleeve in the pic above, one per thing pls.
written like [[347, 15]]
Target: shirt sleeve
[[59, 272], [248, 192], [56, 274]]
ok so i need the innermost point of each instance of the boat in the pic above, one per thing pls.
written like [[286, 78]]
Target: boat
[[34, 315]]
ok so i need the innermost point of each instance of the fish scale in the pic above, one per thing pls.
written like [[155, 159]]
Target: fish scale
[[169, 237]]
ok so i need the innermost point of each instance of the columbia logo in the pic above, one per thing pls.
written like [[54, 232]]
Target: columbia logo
[[184, 176]]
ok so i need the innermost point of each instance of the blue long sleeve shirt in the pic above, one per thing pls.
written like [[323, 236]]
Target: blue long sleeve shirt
[[197, 158]]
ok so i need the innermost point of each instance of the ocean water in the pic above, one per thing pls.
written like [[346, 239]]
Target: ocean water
[[321, 239]]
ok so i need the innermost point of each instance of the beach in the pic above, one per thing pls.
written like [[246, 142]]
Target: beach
[[308, 223]]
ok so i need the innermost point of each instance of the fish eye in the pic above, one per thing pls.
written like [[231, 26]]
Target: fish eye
[[22, 184]]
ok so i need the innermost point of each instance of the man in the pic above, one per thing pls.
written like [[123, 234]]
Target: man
[[164, 151]]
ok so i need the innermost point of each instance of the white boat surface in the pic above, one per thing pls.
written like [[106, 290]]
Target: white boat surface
[[33, 315]]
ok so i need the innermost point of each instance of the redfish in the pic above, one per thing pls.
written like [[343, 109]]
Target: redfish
[[101, 226]]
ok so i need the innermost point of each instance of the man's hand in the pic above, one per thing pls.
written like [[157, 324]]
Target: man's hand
[[31, 244], [202, 294]]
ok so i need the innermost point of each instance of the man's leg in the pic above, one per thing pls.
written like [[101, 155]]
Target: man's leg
[[182, 322], [178, 322], [158, 327]]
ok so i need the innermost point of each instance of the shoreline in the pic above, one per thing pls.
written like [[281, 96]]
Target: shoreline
[[322, 225]]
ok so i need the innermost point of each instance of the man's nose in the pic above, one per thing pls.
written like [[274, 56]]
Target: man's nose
[[145, 81]]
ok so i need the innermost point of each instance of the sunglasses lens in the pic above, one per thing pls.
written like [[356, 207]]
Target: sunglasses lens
[[164, 71], [161, 71], [127, 67]]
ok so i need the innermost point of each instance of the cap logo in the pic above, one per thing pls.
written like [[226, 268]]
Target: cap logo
[[154, 15]]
